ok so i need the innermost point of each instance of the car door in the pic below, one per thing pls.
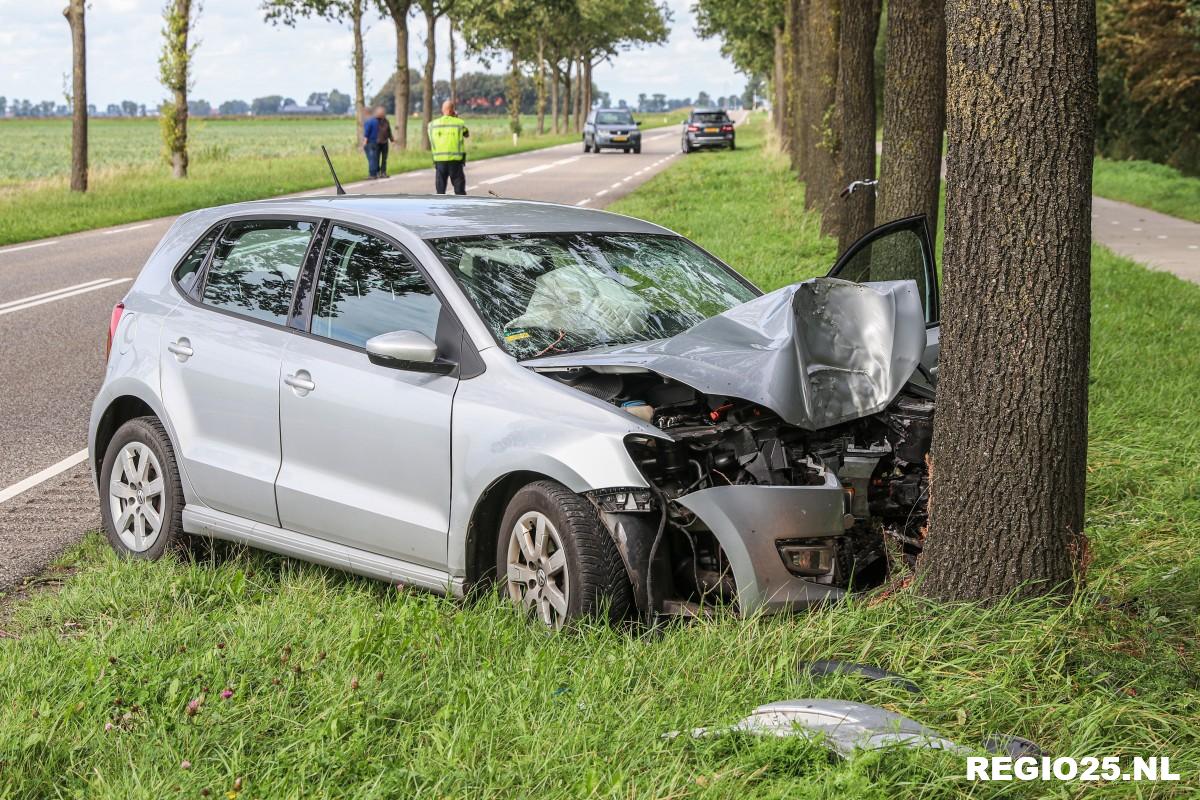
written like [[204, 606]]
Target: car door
[[220, 363], [899, 250], [366, 447]]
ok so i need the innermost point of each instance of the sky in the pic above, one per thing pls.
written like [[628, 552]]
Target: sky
[[241, 57]]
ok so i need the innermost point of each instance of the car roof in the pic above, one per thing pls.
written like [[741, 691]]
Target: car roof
[[437, 216], [708, 111]]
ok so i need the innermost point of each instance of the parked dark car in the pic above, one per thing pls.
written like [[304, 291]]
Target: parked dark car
[[708, 127], [614, 128]]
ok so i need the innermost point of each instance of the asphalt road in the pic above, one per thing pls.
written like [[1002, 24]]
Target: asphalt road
[[56, 296]]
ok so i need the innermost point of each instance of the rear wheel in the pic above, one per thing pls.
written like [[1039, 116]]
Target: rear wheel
[[586, 147], [626, 149], [555, 559], [637, 148], [141, 498]]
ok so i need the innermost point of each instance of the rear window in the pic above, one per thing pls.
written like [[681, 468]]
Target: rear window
[[185, 273], [711, 118], [254, 267]]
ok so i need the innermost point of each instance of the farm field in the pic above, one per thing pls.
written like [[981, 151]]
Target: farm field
[[231, 160], [304, 682]]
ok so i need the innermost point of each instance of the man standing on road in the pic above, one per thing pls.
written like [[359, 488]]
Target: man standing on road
[[377, 132], [447, 139]]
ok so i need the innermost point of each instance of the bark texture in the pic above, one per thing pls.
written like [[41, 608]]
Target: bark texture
[[79, 119], [398, 11], [1010, 444], [453, 66], [820, 79], [914, 111], [795, 63], [360, 91], [855, 119], [431, 18], [540, 81], [174, 72], [513, 99]]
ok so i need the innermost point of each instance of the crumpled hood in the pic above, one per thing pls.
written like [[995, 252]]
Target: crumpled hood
[[817, 353]]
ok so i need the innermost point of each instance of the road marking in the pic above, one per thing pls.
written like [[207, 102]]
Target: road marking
[[532, 170], [501, 179], [562, 161], [28, 246], [126, 229], [43, 476], [601, 193], [62, 294], [584, 201], [1162, 236], [616, 185], [53, 291]]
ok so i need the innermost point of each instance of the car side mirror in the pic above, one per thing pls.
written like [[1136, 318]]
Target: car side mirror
[[409, 350]]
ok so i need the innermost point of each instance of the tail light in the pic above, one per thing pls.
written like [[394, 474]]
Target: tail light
[[727, 128], [693, 128], [113, 322]]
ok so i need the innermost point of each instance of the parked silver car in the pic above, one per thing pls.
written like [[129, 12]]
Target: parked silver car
[[584, 408]]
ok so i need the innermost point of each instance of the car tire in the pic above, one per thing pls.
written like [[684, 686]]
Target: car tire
[[141, 505], [566, 567], [732, 144], [626, 149], [637, 149], [586, 147]]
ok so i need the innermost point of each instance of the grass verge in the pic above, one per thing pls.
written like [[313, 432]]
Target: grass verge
[[1149, 185], [341, 687], [232, 160]]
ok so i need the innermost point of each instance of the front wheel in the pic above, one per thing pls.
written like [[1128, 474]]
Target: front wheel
[[555, 560], [141, 498], [586, 148], [637, 149]]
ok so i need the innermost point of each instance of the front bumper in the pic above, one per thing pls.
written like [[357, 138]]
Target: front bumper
[[616, 140], [749, 521]]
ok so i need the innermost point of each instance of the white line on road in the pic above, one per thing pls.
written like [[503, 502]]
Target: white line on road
[[28, 246], [43, 476], [37, 300], [501, 179], [538, 168], [54, 291], [601, 193], [127, 229], [562, 161], [616, 185], [584, 201]]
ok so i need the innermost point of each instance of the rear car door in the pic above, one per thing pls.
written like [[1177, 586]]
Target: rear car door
[[896, 251], [220, 363], [366, 447]]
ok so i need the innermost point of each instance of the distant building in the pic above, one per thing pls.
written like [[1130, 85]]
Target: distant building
[[297, 109]]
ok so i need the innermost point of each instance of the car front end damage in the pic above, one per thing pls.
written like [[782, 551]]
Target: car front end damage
[[788, 460]]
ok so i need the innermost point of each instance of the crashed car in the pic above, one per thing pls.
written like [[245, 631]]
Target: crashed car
[[586, 410]]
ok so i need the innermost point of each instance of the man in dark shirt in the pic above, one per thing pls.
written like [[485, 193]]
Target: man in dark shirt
[[376, 135]]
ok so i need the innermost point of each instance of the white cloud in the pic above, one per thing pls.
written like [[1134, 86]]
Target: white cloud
[[241, 56]]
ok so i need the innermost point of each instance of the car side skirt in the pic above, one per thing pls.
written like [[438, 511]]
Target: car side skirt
[[201, 521]]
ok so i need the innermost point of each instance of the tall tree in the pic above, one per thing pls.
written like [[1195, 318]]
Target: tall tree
[[914, 111], [74, 12], [855, 118], [1010, 445], [822, 140], [174, 65], [397, 11], [287, 12], [453, 66]]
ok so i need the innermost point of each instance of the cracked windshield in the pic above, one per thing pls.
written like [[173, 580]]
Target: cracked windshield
[[550, 294]]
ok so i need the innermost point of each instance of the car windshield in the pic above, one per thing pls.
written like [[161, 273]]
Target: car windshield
[[542, 294], [614, 118], [710, 118]]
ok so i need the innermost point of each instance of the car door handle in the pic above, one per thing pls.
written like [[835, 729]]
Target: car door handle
[[182, 348], [301, 381]]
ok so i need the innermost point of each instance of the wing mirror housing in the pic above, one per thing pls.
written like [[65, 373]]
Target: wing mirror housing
[[408, 350]]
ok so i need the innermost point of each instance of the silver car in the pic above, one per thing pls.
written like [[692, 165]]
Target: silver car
[[585, 409]]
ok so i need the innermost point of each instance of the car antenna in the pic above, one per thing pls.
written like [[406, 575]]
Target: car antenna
[[333, 172], [493, 194]]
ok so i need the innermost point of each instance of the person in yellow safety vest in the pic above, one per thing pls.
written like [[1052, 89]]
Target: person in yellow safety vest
[[447, 139]]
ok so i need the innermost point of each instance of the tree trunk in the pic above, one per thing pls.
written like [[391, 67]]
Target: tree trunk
[[453, 67], [427, 74], [554, 81], [79, 112], [914, 111], [1010, 444], [541, 84], [579, 92], [822, 139], [173, 67], [856, 118], [587, 87], [567, 96], [795, 58], [400, 87], [360, 92], [779, 90], [514, 91]]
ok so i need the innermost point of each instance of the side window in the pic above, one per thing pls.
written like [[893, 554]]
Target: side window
[[255, 265], [368, 287], [897, 256], [185, 273]]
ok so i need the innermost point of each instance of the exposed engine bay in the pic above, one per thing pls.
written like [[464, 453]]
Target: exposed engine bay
[[879, 461]]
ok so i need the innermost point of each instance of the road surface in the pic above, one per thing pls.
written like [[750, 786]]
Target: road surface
[[56, 296]]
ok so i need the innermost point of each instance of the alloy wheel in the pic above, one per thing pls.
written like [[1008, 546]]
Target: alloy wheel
[[136, 496], [537, 577]]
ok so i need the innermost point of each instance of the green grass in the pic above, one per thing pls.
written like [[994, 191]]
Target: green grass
[[231, 160], [1144, 183], [344, 687]]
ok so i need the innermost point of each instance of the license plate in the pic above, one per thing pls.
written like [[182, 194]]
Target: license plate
[[711, 130], [620, 138]]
